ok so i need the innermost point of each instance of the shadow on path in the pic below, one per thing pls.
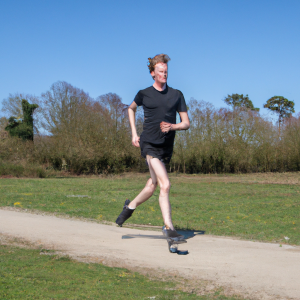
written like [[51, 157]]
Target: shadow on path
[[186, 233]]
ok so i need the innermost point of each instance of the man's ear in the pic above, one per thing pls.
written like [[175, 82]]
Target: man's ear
[[152, 74]]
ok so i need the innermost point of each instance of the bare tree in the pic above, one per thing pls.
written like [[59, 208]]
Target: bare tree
[[12, 105], [114, 107], [63, 108], [3, 123]]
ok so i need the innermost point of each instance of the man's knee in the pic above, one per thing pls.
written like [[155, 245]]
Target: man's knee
[[165, 186], [151, 185]]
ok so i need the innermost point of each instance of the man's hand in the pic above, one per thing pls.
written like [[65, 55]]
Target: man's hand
[[135, 141], [165, 127]]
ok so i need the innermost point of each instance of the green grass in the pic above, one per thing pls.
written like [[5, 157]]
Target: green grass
[[26, 274], [235, 205]]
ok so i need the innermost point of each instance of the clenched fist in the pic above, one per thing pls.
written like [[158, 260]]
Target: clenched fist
[[165, 127]]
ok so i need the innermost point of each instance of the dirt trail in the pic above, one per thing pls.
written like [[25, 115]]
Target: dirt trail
[[258, 270]]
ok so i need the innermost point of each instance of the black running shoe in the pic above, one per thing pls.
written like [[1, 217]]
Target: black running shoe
[[125, 214], [172, 234]]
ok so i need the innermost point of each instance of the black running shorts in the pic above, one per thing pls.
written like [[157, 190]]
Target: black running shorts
[[162, 152]]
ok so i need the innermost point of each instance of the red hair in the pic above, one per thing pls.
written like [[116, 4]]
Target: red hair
[[159, 58]]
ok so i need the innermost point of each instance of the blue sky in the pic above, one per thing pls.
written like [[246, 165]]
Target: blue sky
[[217, 47]]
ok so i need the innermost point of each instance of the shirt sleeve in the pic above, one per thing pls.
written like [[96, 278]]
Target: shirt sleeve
[[181, 107], [138, 99]]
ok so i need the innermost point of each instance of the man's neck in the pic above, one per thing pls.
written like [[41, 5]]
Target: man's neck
[[160, 87]]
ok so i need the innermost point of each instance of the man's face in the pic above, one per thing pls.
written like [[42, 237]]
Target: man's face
[[160, 72]]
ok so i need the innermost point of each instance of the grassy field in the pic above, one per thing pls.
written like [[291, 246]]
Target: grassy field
[[264, 207], [40, 274]]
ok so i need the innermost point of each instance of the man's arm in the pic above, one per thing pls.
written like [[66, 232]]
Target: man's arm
[[183, 125], [131, 114]]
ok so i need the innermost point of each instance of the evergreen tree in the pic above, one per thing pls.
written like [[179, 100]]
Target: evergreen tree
[[241, 101], [281, 106], [22, 128]]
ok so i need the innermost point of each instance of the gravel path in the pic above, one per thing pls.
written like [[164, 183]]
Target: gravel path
[[256, 270]]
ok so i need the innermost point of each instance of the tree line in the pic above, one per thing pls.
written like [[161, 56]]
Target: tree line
[[82, 135]]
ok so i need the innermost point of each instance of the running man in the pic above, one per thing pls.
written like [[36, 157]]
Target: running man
[[160, 103]]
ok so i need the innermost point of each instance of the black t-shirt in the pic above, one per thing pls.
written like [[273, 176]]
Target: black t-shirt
[[159, 106]]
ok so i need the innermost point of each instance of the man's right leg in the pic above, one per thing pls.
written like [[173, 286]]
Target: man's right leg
[[143, 196]]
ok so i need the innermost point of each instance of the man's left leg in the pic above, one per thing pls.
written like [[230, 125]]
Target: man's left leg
[[164, 202]]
